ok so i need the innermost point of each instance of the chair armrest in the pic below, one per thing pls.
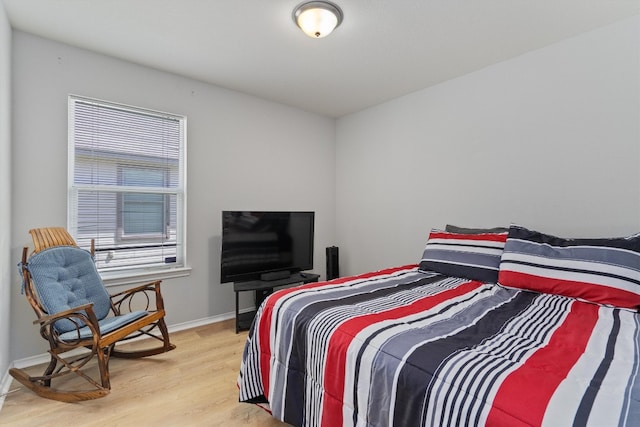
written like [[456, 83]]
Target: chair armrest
[[146, 286], [62, 314], [139, 297], [81, 316]]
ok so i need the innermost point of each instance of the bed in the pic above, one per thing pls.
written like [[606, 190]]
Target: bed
[[513, 328]]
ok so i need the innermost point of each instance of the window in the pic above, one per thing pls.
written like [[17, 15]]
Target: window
[[127, 186]]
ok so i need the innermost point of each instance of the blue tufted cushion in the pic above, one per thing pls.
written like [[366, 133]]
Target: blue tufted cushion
[[106, 325], [66, 277]]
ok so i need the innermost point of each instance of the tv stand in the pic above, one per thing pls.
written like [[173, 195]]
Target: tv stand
[[275, 275], [262, 289]]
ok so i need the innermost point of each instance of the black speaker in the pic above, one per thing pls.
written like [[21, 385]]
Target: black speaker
[[333, 264]]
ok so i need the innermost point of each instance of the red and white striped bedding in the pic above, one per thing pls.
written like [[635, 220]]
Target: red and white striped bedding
[[403, 347]]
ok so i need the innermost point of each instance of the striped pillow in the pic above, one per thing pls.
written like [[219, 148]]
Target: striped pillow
[[470, 256], [604, 271]]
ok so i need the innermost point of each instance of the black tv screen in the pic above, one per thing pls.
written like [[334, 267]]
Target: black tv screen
[[255, 243]]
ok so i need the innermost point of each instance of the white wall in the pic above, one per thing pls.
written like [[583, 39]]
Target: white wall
[[6, 265], [550, 140], [243, 153]]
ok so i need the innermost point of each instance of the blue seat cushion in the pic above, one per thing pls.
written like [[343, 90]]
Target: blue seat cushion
[[106, 325], [66, 277]]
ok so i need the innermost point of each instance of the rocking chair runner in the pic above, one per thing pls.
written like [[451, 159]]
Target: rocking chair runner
[[75, 312]]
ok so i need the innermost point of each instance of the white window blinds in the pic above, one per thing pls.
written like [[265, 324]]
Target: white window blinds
[[127, 189]]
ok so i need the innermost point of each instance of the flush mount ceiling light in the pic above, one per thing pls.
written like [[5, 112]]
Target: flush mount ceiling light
[[317, 18]]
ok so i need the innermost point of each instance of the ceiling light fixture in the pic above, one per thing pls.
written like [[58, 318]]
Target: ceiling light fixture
[[317, 18]]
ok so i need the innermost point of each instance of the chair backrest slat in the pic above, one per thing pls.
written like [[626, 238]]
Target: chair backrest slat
[[44, 238]]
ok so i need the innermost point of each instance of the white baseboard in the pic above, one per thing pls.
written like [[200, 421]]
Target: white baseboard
[[205, 321], [44, 357], [4, 387]]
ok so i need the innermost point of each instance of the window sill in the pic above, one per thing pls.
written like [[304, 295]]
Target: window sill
[[132, 278]]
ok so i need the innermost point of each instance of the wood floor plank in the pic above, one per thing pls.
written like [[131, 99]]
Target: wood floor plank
[[193, 385]]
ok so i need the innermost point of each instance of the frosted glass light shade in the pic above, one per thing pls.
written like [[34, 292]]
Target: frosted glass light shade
[[317, 19]]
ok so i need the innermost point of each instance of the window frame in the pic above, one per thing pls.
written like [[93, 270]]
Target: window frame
[[136, 274]]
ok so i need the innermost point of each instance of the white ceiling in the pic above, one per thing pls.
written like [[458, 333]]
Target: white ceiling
[[382, 50]]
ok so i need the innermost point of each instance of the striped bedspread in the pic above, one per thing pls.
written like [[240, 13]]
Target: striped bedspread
[[401, 347]]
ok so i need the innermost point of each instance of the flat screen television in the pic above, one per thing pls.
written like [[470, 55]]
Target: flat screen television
[[265, 244]]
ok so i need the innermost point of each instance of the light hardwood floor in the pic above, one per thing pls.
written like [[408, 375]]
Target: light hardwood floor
[[193, 385]]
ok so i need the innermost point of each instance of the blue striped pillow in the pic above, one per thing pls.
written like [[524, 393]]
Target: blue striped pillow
[[470, 256], [604, 271]]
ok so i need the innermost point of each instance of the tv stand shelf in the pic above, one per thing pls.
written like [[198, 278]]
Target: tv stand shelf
[[262, 289]]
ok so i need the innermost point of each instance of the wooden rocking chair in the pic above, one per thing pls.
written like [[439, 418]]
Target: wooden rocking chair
[[75, 312]]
